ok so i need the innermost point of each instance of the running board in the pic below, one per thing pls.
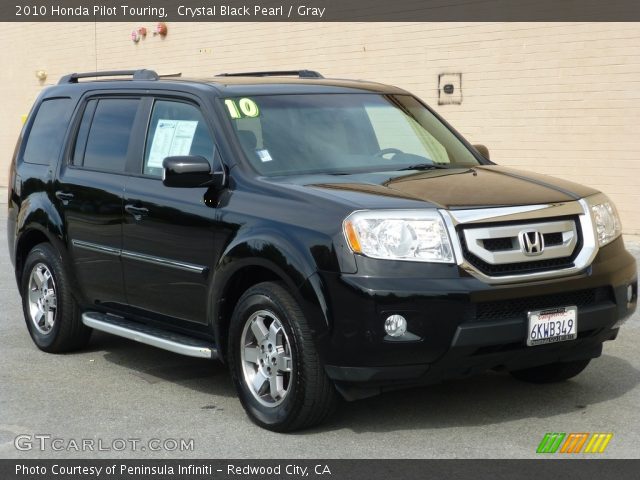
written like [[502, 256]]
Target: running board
[[156, 337]]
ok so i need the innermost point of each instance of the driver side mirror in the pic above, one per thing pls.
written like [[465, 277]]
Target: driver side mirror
[[190, 171], [482, 150]]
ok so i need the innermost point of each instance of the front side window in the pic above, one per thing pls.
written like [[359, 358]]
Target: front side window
[[342, 133], [47, 132], [175, 129], [107, 124]]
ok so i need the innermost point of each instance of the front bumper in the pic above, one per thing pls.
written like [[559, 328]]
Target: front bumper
[[464, 325]]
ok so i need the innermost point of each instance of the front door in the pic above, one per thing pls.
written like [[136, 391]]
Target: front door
[[168, 232]]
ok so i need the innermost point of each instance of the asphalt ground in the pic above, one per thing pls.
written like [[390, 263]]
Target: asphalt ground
[[119, 392]]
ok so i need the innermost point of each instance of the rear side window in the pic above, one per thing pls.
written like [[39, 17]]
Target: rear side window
[[107, 124], [47, 132]]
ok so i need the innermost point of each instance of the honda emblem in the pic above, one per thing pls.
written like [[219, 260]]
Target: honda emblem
[[531, 242]]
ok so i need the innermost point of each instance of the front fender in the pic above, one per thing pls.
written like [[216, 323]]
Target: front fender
[[290, 260]]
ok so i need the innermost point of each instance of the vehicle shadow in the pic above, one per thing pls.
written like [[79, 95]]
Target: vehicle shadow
[[154, 365], [491, 398]]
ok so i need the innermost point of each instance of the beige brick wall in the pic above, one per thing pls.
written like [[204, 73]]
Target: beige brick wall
[[556, 98]]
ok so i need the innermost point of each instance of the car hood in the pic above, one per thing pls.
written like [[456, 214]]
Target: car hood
[[456, 188]]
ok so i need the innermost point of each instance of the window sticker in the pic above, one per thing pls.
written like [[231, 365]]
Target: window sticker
[[245, 107], [264, 155], [248, 107], [233, 109], [171, 138]]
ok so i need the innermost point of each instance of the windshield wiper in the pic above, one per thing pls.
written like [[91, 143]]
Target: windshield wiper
[[424, 166]]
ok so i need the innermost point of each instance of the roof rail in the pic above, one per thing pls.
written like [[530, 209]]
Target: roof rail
[[276, 73], [141, 74]]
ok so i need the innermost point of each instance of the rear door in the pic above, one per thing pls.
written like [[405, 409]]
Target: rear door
[[90, 194], [168, 232]]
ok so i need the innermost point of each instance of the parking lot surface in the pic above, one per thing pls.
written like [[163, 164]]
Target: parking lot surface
[[119, 392]]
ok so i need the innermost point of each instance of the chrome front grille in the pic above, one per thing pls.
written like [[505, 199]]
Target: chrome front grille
[[495, 248], [522, 243], [510, 243]]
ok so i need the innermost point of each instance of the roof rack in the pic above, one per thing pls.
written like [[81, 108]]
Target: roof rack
[[141, 74], [171, 75], [276, 73]]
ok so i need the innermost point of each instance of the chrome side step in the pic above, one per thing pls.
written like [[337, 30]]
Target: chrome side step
[[156, 337]]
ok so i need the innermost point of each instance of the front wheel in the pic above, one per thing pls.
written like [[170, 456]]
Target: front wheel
[[274, 364], [554, 372]]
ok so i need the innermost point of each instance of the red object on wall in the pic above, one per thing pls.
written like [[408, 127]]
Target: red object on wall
[[161, 29]]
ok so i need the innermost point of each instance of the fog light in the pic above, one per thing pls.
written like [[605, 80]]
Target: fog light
[[629, 293], [395, 325]]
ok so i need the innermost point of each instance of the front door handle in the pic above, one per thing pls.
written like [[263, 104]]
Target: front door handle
[[64, 196], [137, 212]]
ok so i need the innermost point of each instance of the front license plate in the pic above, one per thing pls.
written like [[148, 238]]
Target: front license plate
[[552, 325]]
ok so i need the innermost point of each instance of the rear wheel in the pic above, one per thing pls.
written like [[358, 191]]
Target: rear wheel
[[51, 313], [554, 372], [276, 370]]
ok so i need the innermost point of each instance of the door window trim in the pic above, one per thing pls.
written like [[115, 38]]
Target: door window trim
[[154, 98], [147, 98], [77, 121], [28, 127]]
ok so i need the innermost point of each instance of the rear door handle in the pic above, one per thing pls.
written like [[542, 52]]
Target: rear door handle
[[137, 212], [64, 196]]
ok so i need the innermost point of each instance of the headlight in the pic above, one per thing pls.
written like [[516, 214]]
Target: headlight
[[413, 235], [605, 219]]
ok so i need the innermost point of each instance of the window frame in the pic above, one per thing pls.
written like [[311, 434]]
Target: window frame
[[135, 160], [77, 122], [149, 114], [29, 128], [93, 104]]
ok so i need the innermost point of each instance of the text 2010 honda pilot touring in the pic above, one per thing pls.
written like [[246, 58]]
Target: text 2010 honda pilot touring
[[321, 237]]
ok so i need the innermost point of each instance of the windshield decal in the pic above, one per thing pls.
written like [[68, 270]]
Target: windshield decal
[[244, 107], [264, 155]]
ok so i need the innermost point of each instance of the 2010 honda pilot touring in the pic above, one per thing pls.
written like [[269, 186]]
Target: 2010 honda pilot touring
[[324, 238]]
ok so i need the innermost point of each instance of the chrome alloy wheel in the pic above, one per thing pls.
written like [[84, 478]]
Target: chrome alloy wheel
[[42, 298], [267, 363]]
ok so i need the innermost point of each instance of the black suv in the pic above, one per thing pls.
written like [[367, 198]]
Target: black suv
[[321, 237]]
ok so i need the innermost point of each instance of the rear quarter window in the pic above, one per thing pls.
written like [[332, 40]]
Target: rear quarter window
[[45, 138]]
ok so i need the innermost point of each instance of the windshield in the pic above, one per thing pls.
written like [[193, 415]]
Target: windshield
[[342, 134]]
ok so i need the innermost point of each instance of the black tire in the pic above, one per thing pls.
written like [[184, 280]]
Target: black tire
[[68, 332], [554, 372], [311, 396]]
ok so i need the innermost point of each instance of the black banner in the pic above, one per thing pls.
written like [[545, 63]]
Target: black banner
[[319, 10], [320, 469]]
